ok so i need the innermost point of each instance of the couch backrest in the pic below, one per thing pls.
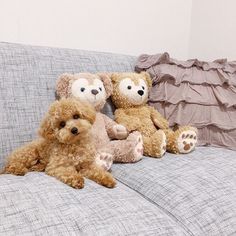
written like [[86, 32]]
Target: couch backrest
[[27, 85]]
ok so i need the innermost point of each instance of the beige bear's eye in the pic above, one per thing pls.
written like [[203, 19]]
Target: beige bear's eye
[[143, 87], [129, 87], [100, 88], [82, 89]]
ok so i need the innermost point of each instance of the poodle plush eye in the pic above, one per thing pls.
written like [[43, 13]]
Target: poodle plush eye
[[82, 89], [62, 124], [143, 87], [76, 116], [129, 87], [100, 89]]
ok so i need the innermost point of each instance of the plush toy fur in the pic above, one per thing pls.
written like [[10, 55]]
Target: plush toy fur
[[65, 149], [130, 96], [112, 141]]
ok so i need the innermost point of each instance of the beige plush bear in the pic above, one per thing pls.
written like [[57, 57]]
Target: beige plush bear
[[130, 94], [112, 140]]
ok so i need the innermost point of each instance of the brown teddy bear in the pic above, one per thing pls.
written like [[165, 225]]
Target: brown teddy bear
[[130, 95], [112, 140], [65, 149]]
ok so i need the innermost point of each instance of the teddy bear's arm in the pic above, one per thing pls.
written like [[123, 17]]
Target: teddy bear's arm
[[130, 122], [114, 130], [158, 119]]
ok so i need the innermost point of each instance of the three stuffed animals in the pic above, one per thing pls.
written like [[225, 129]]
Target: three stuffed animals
[[113, 142], [77, 139]]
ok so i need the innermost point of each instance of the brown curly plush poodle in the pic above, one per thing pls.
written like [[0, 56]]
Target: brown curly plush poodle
[[64, 150]]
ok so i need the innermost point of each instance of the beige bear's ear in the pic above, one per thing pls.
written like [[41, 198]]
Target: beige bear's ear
[[63, 84], [115, 77], [147, 78], [105, 78]]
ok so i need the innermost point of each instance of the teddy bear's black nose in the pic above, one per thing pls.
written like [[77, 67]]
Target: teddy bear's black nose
[[94, 91], [140, 92], [74, 130]]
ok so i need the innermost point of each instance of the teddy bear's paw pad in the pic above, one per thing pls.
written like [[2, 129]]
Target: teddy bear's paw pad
[[187, 141], [104, 160], [138, 148]]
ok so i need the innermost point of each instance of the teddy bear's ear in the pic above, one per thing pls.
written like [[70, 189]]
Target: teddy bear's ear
[[46, 131], [115, 77], [63, 84], [106, 79], [147, 78]]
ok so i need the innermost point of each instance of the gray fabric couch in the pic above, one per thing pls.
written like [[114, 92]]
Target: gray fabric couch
[[192, 194]]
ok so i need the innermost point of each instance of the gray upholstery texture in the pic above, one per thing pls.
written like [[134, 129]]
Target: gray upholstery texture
[[198, 190], [176, 195], [37, 204]]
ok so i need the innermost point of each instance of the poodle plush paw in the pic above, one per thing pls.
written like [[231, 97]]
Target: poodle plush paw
[[120, 131], [104, 160], [77, 182], [187, 141], [109, 181], [15, 169]]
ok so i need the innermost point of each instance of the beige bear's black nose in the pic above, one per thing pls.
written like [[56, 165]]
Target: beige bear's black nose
[[140, 92], [74, 130], [94, 91]]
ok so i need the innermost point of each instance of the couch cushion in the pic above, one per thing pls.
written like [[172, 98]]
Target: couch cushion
[[197, 189], [27, 85], [37, 204]]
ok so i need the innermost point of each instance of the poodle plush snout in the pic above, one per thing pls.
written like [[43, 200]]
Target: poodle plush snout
[[74, 131]]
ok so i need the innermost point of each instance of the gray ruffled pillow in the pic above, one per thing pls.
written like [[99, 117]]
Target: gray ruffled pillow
[[193, 92]]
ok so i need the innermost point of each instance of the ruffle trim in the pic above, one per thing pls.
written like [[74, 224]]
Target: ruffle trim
[[204, 94], [197, 115], [145, 61], [162, 67], [213, 136]]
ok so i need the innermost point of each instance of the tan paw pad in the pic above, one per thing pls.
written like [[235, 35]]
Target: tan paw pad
[[187, 141]]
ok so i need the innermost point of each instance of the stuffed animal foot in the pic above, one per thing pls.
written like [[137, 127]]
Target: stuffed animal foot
[[136, 149], [155, 145], [15, 169], [75, 181], [104, 160], [120, 132], [183, 140], [100, 176], [186, 141]]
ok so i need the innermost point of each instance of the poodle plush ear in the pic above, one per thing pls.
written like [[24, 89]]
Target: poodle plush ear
[[63, 85], [105, 78], [87, 112], [46, 130], [147, 78]]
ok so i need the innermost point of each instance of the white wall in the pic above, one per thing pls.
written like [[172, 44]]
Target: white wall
[[122, 26], [205, 29], [213, 29]]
